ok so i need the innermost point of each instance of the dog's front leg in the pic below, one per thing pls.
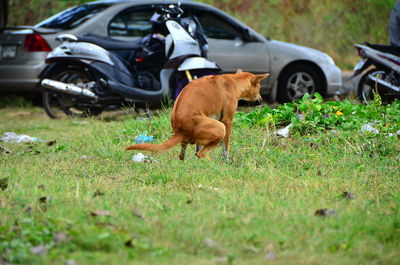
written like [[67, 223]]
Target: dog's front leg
[[224, 150], [225, 143]]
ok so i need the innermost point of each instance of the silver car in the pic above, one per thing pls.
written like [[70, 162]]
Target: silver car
[[294, 69]]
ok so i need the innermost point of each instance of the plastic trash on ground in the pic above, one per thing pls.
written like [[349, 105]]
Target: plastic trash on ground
[[141, 158], [138, 158], [395, 134], [80, 122], [142, 138], [11, 137], [368, 127], [285, 131]]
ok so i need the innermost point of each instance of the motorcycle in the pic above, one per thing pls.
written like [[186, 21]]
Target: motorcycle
[[90, 73], [384, 76]]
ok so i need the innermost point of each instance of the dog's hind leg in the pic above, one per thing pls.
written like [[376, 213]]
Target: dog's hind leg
[[183, 151], [203, 152], [198, 148], [209, 134]]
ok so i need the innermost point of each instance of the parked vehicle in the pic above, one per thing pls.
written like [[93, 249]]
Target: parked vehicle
[[91, 73], [294, 69], [380, 72]]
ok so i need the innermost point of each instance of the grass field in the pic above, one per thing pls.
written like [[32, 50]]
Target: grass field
[[78, 198]]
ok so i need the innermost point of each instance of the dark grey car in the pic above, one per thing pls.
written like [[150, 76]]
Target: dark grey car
[[294, 69]]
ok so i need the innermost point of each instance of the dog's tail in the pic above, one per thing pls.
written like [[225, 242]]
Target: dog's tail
[[159, 148]]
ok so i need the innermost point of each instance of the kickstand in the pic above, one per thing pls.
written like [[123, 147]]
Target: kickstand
[[148, 113]]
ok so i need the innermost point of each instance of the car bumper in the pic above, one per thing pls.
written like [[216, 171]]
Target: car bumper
[[333, 76], [20, 77]]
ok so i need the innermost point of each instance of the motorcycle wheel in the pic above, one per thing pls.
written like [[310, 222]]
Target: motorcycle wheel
[[367, 87], [296, 81], [58, 105]]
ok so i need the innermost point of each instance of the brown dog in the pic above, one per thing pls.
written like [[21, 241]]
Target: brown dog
[[204, 111]]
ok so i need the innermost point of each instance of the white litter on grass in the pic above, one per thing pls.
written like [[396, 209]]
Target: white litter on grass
[[285, 131], [141, 158], [368, 127], [11, 137], [201, 187], [138, 158], [394, 134], [80, 122]]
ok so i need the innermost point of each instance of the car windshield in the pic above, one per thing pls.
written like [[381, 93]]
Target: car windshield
[[73, 16]]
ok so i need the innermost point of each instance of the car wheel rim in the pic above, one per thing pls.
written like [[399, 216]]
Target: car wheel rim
[[299, 84]]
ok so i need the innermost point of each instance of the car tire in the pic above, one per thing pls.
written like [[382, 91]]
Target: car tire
[[298, 80]]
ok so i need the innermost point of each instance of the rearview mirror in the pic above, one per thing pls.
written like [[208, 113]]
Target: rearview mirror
[[248, 37]]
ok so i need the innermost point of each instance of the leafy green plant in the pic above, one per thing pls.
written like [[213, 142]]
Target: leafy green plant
[[311, 115]]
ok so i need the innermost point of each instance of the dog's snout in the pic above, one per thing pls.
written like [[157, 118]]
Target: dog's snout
[[258, 100]]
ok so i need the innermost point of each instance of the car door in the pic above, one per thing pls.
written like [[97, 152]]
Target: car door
[[229, 46]]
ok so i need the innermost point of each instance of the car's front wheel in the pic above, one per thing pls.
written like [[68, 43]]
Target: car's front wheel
[[298, 80]]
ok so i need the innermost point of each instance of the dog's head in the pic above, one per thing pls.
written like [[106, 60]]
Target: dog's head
[[251, 88]]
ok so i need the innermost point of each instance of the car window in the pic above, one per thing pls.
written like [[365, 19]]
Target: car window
[[131, 23], [135, 22], [215, 26], [73, 16]]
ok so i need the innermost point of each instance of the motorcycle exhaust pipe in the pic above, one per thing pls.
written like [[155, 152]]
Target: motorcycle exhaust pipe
[[67, 88], [384, 83]]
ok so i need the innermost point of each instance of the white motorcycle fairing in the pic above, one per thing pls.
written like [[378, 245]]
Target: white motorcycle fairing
[[185, 47], [193, 63]]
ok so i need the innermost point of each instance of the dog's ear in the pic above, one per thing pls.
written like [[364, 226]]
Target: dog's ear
[[258, 78], [262, 76], [238, 71]]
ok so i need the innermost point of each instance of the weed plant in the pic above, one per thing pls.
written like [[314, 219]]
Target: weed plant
[[312, 115]]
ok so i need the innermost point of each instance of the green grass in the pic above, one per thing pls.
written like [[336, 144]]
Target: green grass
[[260, 204]]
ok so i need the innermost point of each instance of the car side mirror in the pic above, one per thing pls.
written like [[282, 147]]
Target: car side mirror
[[247, 36]]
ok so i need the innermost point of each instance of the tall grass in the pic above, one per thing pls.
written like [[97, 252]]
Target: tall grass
[[330, 26]]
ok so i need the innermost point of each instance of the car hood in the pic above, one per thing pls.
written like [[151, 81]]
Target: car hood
[[297, 52]]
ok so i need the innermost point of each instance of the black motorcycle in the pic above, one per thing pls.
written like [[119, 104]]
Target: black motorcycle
[[380, 72], [90, 73]]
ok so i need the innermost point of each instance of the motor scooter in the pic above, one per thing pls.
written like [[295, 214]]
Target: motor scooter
[[380, 72], [88, 74]]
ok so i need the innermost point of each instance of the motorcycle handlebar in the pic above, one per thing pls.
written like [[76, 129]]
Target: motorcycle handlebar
[[173, 11]]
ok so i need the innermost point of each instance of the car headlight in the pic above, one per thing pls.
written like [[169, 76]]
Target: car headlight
[[329, 59]]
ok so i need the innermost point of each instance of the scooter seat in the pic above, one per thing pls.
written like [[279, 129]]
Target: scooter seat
[[109, 43], [385, 48]]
